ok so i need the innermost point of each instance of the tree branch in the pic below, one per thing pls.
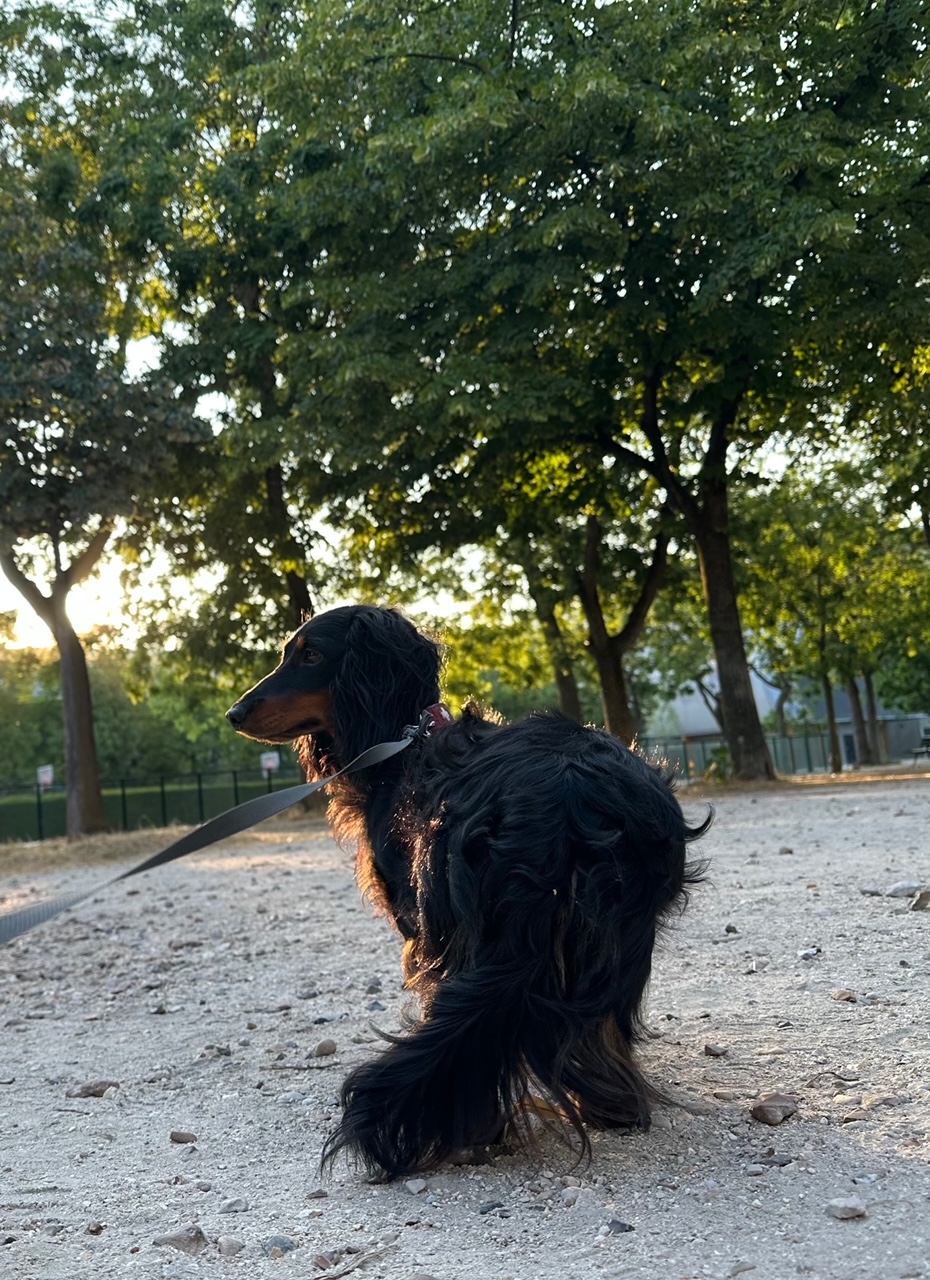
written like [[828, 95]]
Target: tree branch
[[80, 568], [427, 57], [42, 605], [633, 627]]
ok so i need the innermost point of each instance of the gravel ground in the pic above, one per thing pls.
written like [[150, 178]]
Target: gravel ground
[[225, 997]]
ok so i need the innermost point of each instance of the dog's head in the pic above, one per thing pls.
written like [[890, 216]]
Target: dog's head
[[348, 678]]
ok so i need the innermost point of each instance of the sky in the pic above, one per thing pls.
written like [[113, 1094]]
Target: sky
[[98, 600]]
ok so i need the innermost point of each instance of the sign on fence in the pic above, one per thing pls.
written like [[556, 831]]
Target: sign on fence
[[271, 761], [45, 776]]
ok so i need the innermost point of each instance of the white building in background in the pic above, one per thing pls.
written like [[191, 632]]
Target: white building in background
[[688, 715]]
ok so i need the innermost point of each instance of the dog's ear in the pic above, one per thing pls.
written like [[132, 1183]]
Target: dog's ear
[[388, 674]]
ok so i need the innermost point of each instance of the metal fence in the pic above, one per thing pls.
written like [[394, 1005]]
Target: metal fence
[[29, 811], [695, 757]]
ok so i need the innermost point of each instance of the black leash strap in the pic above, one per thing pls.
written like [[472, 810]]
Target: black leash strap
[[225, 824]]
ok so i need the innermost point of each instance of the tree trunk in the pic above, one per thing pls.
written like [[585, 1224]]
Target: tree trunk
[[563, 670], [879, 746], [738, 711], [609, 650], [863, 744], [707, 517], [85, 811], [608, 658], [300, 602], [836, 758]]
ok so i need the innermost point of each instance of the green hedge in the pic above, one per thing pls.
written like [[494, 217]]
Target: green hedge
[[26, 814]]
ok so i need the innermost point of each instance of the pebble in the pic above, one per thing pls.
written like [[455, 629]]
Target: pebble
[[319, 1194], [843, 993], [373, 987], [490, 1205], [229, 1246], [774, 1108], [237, 1205], [905, 889], [415, 1186], [191, 1240], [325, 1048], [376, 1006], [182, 1136], [785, 851], [617, 1228], [92, 1089], [921, 901], [715, 1051], [570, 1195], [277, 1246], [808, 953], [844, 1209]]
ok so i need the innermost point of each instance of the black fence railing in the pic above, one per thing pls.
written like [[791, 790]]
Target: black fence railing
[[30, 811], [693, 758]]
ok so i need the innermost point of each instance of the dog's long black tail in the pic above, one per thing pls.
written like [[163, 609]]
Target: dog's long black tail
[[446, 1085], [492, 1038]]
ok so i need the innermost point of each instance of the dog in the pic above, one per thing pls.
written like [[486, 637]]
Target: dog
[[528, 867]]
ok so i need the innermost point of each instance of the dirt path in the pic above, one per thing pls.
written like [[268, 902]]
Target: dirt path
[[206, 992]]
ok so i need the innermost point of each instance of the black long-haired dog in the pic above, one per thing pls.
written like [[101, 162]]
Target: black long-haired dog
[[528, 866]]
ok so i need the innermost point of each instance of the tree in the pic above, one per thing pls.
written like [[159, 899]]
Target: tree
[[81, 443], [523, 242], [833, 590]]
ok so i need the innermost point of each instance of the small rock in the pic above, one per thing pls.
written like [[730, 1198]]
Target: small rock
[[376, 1006], [872, 1100], [785, 852], [570, 1195], [94, 1228], [843, 993], [191, 1240], [715, 1051], [319, 1194], [490, 1205], [905, 889], [808, 953], [922, 901], [325, 1048], [229, 1246], [730, 928], [754, 1170], [617, 1228], [415, 1186], [182, 1136], [277, 1246], [92, 1089], [237, 1205], [373, 987], [774, 1108], [843, 1209]]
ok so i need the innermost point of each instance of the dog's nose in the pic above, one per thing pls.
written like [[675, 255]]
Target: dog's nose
[[236, 715]]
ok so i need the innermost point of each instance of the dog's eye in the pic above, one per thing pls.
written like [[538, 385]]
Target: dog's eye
[[310, 657]]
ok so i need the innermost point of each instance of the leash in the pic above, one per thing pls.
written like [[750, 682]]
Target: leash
[[230, 823]]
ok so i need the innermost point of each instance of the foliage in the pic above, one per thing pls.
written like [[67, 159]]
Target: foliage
[[833, 586]]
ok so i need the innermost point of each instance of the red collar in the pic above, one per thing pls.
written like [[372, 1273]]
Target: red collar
[[439, 716]]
